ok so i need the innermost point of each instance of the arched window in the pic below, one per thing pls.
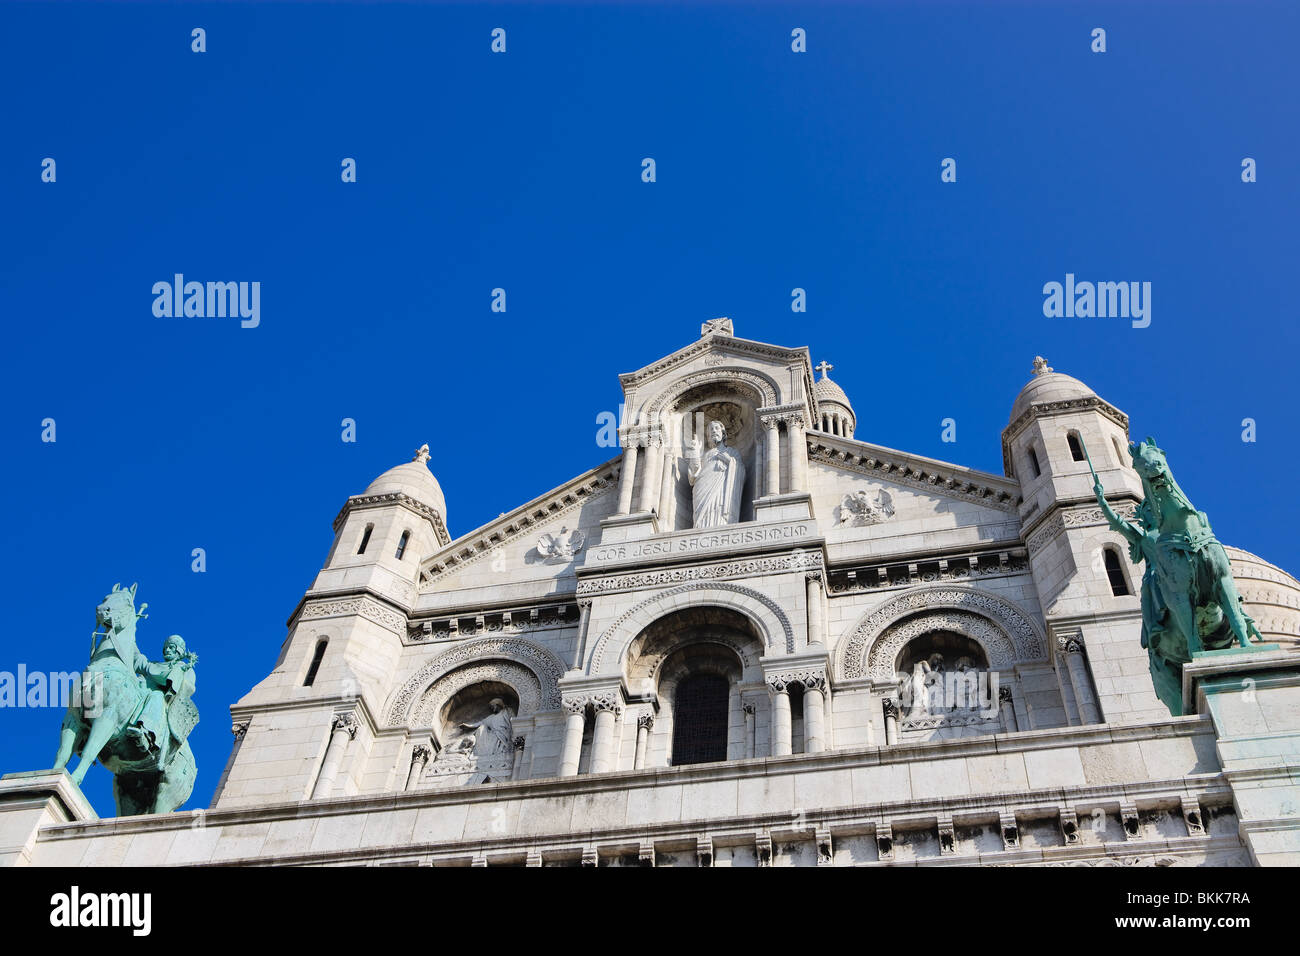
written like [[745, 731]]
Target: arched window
[[401, 545], [315, 662], [700, 719], [1033, 462], [365, 538], [1076, 446], [1115, 572]]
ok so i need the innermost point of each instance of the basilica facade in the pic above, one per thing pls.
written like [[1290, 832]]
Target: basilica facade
[[749, 639]]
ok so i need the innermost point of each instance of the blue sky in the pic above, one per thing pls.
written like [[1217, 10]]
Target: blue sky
[[521, 170]]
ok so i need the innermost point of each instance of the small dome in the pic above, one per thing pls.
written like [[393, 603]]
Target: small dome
[[1272, 596], [1048, 386], [828, 391], [414, 480]]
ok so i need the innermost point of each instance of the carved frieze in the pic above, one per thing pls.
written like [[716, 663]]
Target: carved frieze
[[1005, 632], [754, 567], [362, 606]]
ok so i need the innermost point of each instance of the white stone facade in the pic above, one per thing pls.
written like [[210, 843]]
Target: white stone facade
[[778, 691]]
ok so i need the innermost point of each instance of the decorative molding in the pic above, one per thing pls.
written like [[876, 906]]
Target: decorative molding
[[467, 550], [743, 568], [928, 571], [396, 497], [1006, 633], [361, 606], [1057, 408], [771, 606], [931, 477], [812, 678], [514, 621], [1063, 518], [545, 666], [522, 678]]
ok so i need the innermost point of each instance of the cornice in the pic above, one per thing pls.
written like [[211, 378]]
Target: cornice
[[914, 471], [1041, 409], [476, 544], [357, 502], [714, 342]]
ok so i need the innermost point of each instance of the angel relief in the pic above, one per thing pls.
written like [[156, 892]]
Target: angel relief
[[560, 546], [863, 508]]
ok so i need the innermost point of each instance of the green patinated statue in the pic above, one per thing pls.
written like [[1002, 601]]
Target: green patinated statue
[[133, 714], [1189, 598]]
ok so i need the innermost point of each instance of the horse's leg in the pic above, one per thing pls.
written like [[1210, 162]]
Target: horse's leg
[[1225, 590], [67, 739], [101, 731]]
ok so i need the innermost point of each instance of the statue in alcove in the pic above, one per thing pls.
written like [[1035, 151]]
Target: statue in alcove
[[717, 477], [490, 737]]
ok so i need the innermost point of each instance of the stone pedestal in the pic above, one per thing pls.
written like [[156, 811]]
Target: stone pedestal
[[29, 801], [1253, 697]]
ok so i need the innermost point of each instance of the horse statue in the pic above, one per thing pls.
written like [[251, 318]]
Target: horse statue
[[132, 714], [1190, 601]]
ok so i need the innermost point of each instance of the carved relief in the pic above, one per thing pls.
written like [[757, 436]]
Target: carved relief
[[541, 662], [862, 508], [1003, 630], [521, 678], [362, 606], [561, 546], [756, 567]]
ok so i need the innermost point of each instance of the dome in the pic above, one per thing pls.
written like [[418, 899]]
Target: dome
[[828, 391], [1048, 386], [1271, 596], [414, 480]]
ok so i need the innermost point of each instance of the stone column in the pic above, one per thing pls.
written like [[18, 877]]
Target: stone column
[[584, 620], [891, 721], [814, 714], [773, 450], [571, 754], [419, 760], [628, 477], [602, 741], [798, 455], [650, 484], [667, 491], [815, 623], [751, 729], [343, 729], [518, 765], [1008, 709], [1072, 650], [643, 725], [782, 723]]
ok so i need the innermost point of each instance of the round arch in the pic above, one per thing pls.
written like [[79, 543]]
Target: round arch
[[512, 660], [770, 623], [1006, 633], [763, 390]]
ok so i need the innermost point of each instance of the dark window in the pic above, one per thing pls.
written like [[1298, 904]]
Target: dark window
[[700, 719], [401, 545], [1076, 446], [315, 664], [365, 539], [1033, 462], [1118, 583]]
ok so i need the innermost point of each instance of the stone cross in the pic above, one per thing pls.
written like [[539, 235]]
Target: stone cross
[[824, 367]]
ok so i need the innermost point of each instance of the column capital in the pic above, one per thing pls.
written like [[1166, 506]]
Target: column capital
[[606, 702], [749, 709], [421, 753], [891, 707], [345, 722], [519, 742], [810, 678], [1004, 694], [1070, 644], [646, 720], [239, 728], [575, 705]]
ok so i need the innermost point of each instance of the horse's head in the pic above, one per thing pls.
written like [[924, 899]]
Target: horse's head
[[1149, 462], [117, 610]]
